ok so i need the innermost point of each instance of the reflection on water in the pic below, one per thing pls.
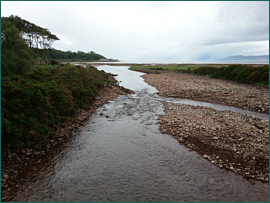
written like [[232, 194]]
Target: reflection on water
[[129, 79], [218, 107], [120, 155]]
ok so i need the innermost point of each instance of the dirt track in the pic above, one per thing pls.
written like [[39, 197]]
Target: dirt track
[[229, 140]]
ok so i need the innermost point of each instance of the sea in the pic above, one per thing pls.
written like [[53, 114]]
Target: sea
[[259, 62]]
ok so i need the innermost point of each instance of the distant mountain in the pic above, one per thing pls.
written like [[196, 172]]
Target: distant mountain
[[241, 57]]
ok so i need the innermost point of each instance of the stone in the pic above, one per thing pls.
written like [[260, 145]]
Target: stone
[[259, 126], [36, 153], [23, 151], [205, 156]]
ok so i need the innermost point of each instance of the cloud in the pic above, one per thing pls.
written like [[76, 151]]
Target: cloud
[[152, 30]]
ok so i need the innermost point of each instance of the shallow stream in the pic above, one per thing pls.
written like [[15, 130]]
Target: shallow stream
[[120, 155]]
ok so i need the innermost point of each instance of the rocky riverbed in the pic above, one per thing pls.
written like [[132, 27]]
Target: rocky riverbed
[[229, 140], [21, 167], [203, 88]]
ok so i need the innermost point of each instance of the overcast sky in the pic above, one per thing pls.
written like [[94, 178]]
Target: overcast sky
[[149, 30]]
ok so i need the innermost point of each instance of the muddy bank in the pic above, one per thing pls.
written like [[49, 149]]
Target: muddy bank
[[202, 88], [22, 167], [229, 140]]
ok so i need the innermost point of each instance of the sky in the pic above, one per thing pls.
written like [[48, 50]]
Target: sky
[[152, 30]]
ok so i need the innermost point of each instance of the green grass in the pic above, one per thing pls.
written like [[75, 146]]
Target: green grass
[[173, 68], [256, 75]]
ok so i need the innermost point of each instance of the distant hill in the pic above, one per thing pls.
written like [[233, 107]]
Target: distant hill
[[241, 57]]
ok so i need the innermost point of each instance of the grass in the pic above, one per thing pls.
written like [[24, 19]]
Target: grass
[[173, 68], [249, 74]]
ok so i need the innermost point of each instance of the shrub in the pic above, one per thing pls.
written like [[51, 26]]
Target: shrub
[[54, 62], [35, 102], [240, 73]]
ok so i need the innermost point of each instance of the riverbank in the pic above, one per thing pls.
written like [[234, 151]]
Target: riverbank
[[203, 88], [23, 167], [229, 140]]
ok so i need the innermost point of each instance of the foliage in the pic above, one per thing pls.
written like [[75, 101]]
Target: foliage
[[258, 75], [171, 67], [74, 56], [239, 73], [35, 36], [16, 56], [20, 39], [33, 103]]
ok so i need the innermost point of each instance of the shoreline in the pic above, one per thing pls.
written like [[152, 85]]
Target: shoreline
[[233, 141], [16, 172], [119, 63], [211, 90]]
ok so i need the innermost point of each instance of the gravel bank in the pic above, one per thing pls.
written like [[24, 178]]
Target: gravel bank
[[229, 140], [202, 88]]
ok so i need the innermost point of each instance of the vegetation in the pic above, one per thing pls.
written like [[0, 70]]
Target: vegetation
[[24, 44], [171, 67], [16, 56], [33, 103], [258, 75], [21, 42], [37, 92], [74, 56]]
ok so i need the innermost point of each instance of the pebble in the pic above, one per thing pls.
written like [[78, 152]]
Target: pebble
[[205, 156], [233, 138]]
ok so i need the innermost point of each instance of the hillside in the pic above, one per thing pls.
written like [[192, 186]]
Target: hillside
[[242, 57]]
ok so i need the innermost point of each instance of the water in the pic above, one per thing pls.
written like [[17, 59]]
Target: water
[[266, 62], [132, 80], [120, 155]]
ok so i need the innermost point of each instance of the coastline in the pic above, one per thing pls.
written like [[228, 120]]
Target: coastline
[[152, 63]]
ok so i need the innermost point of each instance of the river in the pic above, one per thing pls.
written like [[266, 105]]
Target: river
[[120, 155]]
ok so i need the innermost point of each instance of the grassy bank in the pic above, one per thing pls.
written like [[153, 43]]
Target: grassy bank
[[174, 68], [34, 103], [249, 74]]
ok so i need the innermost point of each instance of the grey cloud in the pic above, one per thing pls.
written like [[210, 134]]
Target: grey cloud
[[152, 30]]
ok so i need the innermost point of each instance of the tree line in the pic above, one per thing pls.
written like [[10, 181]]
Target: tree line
[[37, 98], [74, 56], [24, 44]]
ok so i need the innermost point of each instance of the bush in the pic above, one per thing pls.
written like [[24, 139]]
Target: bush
[[32, 104], [54, 62], [239, 73], [205, 70]]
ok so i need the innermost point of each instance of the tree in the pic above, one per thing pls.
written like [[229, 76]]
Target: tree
[[16, 56], [38, 38]]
